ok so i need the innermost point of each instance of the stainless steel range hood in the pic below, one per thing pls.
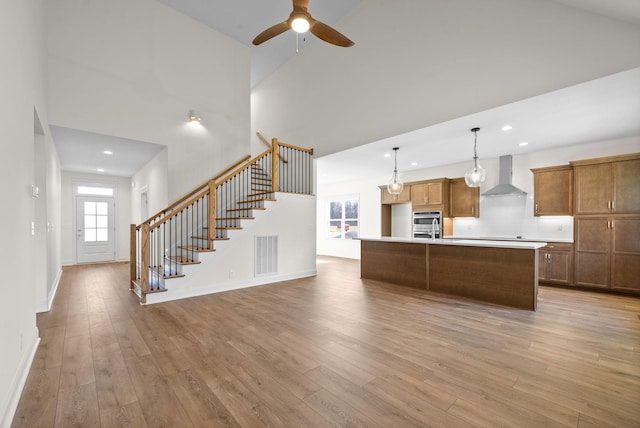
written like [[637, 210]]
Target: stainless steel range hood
[[505, 188]]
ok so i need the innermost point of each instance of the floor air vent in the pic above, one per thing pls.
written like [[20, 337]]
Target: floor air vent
[[266, 259]]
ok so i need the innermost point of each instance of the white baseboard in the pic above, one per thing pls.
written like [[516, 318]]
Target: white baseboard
[[20, 379], [46, 306], [177, 294]]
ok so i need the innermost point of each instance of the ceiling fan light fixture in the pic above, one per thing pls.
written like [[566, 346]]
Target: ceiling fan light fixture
[[300, 24]]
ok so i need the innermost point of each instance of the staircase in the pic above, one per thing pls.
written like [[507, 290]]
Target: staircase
[[163, 246]]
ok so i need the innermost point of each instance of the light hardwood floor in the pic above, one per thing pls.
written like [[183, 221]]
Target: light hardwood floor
[[332, 350]]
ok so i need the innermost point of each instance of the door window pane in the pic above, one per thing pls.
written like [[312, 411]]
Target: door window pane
[[89, 207], [102, 208], [90, 235], [102, 234]]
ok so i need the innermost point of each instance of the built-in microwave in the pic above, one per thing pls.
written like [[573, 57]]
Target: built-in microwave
[[427, 224]]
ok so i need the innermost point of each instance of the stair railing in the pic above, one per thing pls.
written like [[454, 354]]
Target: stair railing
[[190, 225]]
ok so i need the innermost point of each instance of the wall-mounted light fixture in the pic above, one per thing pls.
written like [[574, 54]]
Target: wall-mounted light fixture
[[194, 116]]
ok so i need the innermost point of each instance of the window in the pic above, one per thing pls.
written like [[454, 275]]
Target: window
[[343, 218], [96, 224], [95, 191]]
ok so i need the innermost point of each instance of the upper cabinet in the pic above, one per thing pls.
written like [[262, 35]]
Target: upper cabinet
[[607, 185], [465, 200], [432, 195], [389, 199], [553, 190]]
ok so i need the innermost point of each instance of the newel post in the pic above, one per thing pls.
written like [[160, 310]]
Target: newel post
[[145, 257], [274, 165], [132, 256], [211, 221]]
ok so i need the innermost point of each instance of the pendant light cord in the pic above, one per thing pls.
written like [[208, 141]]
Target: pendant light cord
[[475, 145]]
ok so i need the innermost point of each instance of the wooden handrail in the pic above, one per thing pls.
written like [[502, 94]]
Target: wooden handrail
[[302, 149], [197, 189], [178, 209], [266, 143], [251, 162]]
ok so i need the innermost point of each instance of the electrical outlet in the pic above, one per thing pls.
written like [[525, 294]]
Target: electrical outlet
[[559, 227], [232, 274]]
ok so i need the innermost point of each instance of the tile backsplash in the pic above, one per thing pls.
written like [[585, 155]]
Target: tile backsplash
[[510, 217]]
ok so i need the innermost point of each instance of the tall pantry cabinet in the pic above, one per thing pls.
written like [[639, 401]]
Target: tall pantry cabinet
[[607, 222]]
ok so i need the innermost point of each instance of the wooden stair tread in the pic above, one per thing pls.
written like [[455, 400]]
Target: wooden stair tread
[[158, 290], [214, 239], [250, 201], [196, 248], [235, 218], [260, 193], [160, 271], [181, 260], [246, 209]]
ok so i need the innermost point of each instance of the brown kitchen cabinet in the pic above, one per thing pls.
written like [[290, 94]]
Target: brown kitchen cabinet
[[553, 190], [402, 198], [432, 195], [555, 263], [464, 200], [607, 253], [607, 185]]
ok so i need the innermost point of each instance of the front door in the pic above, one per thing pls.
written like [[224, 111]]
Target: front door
[[95, 231]]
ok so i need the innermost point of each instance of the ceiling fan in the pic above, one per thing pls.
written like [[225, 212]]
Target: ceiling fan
[[300, 20]]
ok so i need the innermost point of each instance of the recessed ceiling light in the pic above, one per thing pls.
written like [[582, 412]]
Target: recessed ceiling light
[[387, 155], [507, 128], [414, 163], [524, 143], [108, 152], [100, 170]]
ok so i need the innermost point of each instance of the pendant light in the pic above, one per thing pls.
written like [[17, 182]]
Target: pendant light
[[395, 184], [476, 175]]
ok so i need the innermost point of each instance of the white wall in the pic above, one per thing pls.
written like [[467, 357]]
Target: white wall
[[291, 218], [153, 179], [430, 61], [134, 68], [68, 210], [499, 216], [22, 73]]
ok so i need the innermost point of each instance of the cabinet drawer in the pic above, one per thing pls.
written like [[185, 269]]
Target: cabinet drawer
[[558, 246]]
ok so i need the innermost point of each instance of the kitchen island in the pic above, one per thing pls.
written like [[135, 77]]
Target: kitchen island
[[501, 272]]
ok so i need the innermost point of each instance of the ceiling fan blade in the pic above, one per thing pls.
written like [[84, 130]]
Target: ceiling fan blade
[[271, 32], [300, 4], [329, 35]]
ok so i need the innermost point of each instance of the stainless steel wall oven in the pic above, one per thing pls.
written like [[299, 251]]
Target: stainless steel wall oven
[[427, 224]]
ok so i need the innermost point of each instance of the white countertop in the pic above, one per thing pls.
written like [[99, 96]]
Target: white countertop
[[529, 245], [513, 238]]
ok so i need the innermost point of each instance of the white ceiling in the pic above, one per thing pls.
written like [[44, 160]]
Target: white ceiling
[[243, 20], [599, 110], [81, 151]]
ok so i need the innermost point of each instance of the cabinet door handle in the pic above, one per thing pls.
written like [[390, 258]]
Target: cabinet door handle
[[612, 224], [536, 208], [613, 206], [473, 210]]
